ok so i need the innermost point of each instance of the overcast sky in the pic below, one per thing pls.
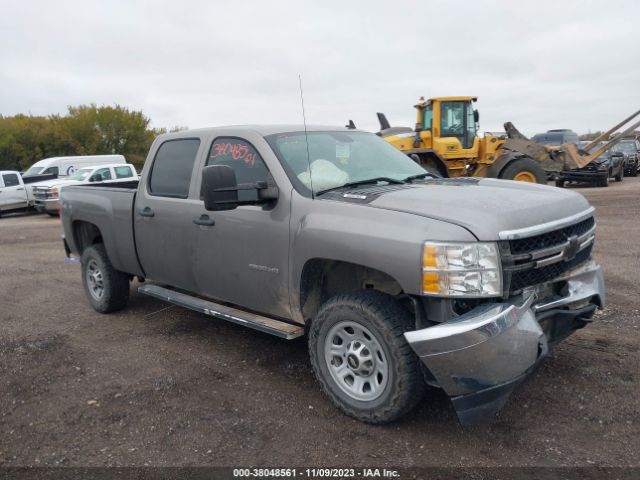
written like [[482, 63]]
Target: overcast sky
[[541, 65]]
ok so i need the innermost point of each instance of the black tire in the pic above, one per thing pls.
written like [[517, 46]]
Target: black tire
[[524, 165], [620, 174], [386, 320], [559, 183], [604, 182], [634, 170], [53, 214], [115, 284]]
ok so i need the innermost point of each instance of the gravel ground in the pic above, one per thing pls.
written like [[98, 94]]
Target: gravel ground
[[160, 385]]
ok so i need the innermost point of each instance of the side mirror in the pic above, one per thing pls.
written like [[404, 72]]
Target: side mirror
[[219, 188], [476, 116], [96, 178]]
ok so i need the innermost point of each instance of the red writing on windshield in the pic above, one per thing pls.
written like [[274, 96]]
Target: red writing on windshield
[[237, 151]]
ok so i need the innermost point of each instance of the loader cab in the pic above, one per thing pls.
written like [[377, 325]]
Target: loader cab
[[452, 123]]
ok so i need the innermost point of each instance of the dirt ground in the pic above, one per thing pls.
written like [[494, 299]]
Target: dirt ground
[[160, 385]]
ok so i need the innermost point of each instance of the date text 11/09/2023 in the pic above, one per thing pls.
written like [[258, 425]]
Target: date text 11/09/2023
[[315, 473]]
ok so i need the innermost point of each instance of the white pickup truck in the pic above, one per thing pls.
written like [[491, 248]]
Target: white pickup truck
[[13, 194], [46, 194], [16, 192]]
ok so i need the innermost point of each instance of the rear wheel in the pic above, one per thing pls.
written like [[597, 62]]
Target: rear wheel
[[524, 170], [107, 289], [361, 358]]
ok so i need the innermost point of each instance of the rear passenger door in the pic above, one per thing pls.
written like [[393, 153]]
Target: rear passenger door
[[165, 207], [12, 193]]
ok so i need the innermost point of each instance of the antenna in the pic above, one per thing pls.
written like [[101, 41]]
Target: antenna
[[306, 136]]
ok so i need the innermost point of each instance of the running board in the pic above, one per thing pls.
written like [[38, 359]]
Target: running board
[[251, 320]]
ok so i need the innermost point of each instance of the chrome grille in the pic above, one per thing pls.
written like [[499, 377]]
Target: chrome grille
[[544, 257]]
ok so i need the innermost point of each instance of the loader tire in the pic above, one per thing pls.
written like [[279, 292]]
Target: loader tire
[[362, 360], [524, 170], [107, 288]]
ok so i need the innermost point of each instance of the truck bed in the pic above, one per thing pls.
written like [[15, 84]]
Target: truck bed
[[108, 206]]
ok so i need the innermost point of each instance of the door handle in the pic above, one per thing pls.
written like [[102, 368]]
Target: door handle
[[146, 212], [19, 188], [204, 220]]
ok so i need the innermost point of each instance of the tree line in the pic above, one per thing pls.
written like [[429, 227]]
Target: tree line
[[83, 130]]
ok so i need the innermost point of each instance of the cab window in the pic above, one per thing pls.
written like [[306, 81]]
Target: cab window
[[123, 172], [241, 156], [172, 168], [10, 180], [105, 173], [427, 117], [51, 171], [452, 119]]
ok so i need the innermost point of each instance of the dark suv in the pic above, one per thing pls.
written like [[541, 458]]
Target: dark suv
[[630, 149], [609, 164]]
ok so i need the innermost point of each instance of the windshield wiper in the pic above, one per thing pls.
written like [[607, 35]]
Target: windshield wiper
[[362, 182], [418, 176]]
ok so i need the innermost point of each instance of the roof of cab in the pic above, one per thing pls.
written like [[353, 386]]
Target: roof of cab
[[263, 130]]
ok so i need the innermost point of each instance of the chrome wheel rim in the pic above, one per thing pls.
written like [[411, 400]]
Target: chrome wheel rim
[[356, 361], [95, 281]]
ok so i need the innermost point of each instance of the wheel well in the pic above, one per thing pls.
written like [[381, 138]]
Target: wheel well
[[85, 234], [323, 279]]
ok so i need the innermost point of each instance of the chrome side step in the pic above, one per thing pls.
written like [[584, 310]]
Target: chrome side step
[[251, 320]]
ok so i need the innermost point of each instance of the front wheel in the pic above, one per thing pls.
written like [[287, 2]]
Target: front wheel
[[559, 183], [524, 170], [361, 358], [107, 288], [634, 170]]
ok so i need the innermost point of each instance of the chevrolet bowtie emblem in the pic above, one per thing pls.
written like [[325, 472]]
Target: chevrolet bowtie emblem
[[571, 250]]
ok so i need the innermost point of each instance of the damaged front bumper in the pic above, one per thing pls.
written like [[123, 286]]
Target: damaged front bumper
[[479, 357]]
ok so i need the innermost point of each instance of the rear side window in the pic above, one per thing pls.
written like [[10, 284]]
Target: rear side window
[[123, 172], [171, 172], [10, 179]]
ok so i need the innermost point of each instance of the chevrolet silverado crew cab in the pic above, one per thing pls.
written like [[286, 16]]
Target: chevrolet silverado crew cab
[[397, 278]]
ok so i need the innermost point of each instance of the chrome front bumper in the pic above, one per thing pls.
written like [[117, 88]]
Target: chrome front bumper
[[51, 205], [479, 357]]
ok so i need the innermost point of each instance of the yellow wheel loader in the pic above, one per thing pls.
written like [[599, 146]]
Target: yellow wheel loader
[[446, 139]]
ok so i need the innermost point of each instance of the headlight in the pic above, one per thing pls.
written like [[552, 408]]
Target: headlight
[[461, 269], [603, 166], [53, 193]]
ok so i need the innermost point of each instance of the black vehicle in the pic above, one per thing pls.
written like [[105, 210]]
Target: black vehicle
[[609, 164], [630, 149], [556, 137]]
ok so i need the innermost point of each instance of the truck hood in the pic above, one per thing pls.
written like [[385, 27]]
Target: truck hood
[[56, 183], [485, 207]]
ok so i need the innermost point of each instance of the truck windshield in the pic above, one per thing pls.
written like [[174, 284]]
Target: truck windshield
[[81, 174], [33, 171], [626, 147], [323, 160]]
